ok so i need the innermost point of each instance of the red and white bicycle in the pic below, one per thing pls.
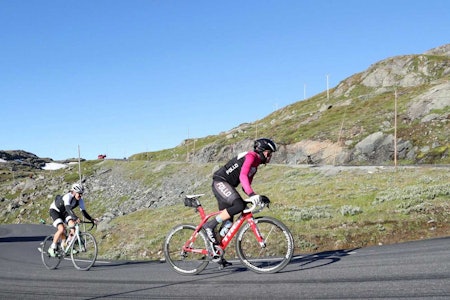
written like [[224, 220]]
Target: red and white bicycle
[[263, 244]]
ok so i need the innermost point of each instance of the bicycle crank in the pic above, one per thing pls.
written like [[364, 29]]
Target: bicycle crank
[[217, 254]]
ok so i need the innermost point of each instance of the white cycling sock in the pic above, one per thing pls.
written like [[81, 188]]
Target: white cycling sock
[[219, 219]]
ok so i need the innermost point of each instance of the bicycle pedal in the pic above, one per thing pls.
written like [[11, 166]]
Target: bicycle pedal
[[223, 264], [216, 259], [218, 251]]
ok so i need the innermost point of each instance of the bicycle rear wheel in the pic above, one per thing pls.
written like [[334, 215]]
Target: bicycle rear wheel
[[185, 262], [271, 257], [85, 253], [49, 261]]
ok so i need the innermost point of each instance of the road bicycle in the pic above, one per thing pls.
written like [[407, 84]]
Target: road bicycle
[[263, 244], [82, 249]]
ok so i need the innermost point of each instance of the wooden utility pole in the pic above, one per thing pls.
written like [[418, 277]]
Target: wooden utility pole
[[187, 146], [79, 163], [328, 93], [395, 129]]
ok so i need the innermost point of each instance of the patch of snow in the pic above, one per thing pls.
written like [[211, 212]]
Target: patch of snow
[[2, 160], [54, 166]]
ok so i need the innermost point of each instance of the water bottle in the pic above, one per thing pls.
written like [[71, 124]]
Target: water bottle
[[226, 226]]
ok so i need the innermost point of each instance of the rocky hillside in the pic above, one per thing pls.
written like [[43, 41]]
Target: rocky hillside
[[18, 159], [398, 105], [326, 207]]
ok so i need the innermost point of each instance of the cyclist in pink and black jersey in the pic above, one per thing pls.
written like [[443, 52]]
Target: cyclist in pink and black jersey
[[239, 170]]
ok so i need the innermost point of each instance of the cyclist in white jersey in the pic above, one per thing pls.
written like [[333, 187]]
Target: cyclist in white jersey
[[61, 211]]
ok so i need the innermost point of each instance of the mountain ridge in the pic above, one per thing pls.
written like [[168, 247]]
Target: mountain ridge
[[348, 119]]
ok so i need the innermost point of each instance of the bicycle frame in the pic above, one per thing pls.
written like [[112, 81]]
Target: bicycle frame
[[76, 237], [226, 240], [263, 244], [82, 249]]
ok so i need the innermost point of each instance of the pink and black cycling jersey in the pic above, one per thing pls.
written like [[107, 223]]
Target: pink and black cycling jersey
[[240, 170]]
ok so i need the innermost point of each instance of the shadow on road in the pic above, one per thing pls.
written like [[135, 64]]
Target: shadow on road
[[297, 263], [15, 239], [317, 260]]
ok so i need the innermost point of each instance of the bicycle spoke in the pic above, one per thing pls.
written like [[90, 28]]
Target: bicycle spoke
[[268, 258], [49, 261], [84, 251], [185, 262]]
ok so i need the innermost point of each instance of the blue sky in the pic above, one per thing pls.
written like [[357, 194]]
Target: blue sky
[[124, 77]]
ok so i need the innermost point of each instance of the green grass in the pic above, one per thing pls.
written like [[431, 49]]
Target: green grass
[[348, 209], [326, 209]]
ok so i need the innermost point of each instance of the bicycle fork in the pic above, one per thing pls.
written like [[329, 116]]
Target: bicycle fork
[[257, 233]]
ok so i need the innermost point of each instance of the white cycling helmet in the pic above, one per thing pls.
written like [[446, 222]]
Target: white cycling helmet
[[78, 188]]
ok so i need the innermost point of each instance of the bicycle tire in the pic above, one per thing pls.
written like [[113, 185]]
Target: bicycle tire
[[277, 252], [84, 254], [50, 262], [185, 263]]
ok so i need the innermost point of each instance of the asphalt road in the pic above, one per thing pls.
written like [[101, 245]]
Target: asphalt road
[[414, 270]]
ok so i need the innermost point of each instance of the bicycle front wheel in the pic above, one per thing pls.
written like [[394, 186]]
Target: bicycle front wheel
[[189, 262], [84, 251], [50, 262], [271, 257]]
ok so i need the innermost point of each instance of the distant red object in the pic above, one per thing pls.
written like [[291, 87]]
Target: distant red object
[[101, 156]]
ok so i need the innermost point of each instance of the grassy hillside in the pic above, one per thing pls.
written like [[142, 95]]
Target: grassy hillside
[[356, 108], [325, 208], [333, 120]]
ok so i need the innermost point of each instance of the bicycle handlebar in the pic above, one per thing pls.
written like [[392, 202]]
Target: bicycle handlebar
[[84, 222], [257, 204], [89, 222]]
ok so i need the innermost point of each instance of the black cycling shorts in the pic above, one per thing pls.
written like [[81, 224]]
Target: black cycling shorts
[[227, 197]]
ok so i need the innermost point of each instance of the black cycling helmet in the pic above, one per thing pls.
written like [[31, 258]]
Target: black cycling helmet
[[264, 144]]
